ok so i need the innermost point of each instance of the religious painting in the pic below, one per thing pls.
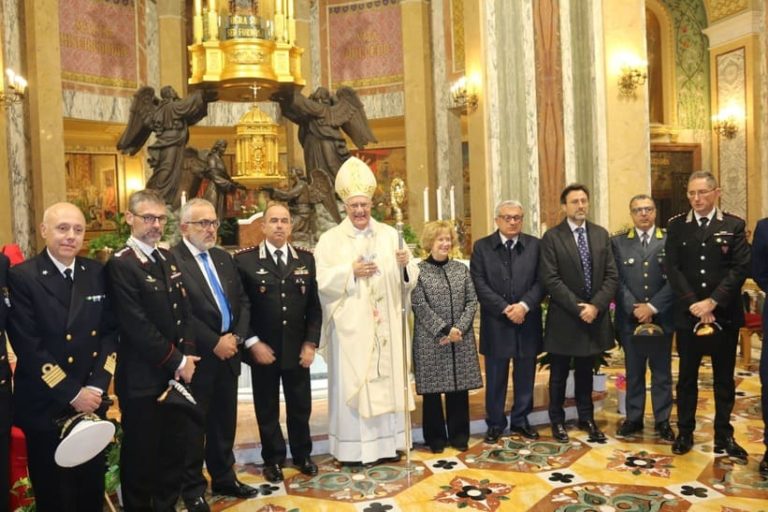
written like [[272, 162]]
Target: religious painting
[[671, 164], [387, 164], [91, 181]]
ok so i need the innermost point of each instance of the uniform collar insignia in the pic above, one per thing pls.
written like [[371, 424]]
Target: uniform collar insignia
[[261, 272]]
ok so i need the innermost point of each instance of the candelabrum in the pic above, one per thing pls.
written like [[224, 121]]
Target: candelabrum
[[15, 87], [463, 97], [630, 79], [725, 126]]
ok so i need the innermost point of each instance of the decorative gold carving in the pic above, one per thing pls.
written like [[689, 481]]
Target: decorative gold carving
[[52, 374], [257, 151], [719, 9]]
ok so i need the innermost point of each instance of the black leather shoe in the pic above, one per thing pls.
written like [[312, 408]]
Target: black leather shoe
[[683, 444], [627, 428], [306, 466], [273, 473], [462, 447], [559, 433], [196, 504], [236, 490], [731, 447], [493, 435], [589, 426], [525, 430], [665, 432], [437, 448], [763, 467]]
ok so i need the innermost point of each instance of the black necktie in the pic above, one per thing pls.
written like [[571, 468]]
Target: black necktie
[[158, 260], [703, 222], [645, 239], [279, 261], [68, 277], [509, 244]]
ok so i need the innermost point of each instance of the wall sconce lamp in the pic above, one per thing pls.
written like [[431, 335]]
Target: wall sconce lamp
[[14, 90], [631, 77], [726, 123], [463, 97]]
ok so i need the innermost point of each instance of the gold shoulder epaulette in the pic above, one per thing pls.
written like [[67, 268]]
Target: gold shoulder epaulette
[[121, 252], [304, 249], [243, 250], [677, 216]]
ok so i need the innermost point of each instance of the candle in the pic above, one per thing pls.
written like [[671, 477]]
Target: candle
[[453, 204], [198, 7], [426, 204], [212, 5], [290, 9], [279, 5], [439, 204], [183, 197]]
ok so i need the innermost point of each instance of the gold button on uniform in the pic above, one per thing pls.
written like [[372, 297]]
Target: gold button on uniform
[[285, 322], [285, 308], [70, 359], [69, 337], [95, 354], [93, 333]]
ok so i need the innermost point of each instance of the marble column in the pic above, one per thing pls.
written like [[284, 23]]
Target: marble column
[[419, 105], [172, 35], [737, 85], [627, 119], [46, 127]]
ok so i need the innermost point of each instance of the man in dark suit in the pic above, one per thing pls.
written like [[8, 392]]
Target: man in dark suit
[[220, 321], [707, 261], [578, 271], [504, 268], [148, 294], [644, 297], [5, 388], [64, 335], [286, 317], [760, 275]]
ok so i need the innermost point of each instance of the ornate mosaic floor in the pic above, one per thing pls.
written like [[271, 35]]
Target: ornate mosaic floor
[[637, 474]]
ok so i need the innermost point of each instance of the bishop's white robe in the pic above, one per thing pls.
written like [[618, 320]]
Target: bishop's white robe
[[362, 340]]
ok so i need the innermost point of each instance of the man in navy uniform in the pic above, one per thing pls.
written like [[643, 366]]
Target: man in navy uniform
[[504, 269], [220, 322], [644, 297], [707, 261], [286, 317], [63, 332], [760, 275], [148, 294], [5, 388]]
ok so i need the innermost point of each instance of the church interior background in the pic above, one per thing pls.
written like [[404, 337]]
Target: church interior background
[[471, 101]]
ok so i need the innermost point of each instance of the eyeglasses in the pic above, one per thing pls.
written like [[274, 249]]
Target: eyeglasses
[[643, 209], [151, 219], [205, 223], [510, 218], [699, 193]]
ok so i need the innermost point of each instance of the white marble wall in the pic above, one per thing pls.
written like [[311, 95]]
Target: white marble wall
[[732, 153], [18, 158]]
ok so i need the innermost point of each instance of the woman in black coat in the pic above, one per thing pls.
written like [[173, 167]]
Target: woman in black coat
[[444, 352]]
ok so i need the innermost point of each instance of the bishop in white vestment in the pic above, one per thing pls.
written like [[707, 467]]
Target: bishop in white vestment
[[359, 272]]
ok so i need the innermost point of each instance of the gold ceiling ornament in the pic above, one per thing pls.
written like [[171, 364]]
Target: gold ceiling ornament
[[256, 154], [245, 53]]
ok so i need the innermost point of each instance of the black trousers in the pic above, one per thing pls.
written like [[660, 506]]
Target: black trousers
[[455, 419], [298, 407], [692, 349], [152, 455], [57, 489], [496, 383], [558, 374], [215, 390], [5, 445]]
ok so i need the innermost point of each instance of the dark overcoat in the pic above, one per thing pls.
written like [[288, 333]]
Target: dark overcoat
[[498, 284], [561, 275]]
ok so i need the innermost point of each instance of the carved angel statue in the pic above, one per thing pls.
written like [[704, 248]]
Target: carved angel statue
[[302, 196], [208, 168], [321, 119], [169, 118]]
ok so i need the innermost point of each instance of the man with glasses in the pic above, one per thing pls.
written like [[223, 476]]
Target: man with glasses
[[707, 261], [285, 319], [578, 271], [220, 322], [359, 274], [149, 297], [644, 304], [63, 331], [504, 269]]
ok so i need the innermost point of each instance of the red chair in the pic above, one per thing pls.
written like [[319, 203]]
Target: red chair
[[753, 319]]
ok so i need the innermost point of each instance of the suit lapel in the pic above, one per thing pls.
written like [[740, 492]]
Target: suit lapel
[[80, 288], [570, 245], [196, 274], [52, 280]]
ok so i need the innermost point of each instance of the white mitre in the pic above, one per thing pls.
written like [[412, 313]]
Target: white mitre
[[355, 178]]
